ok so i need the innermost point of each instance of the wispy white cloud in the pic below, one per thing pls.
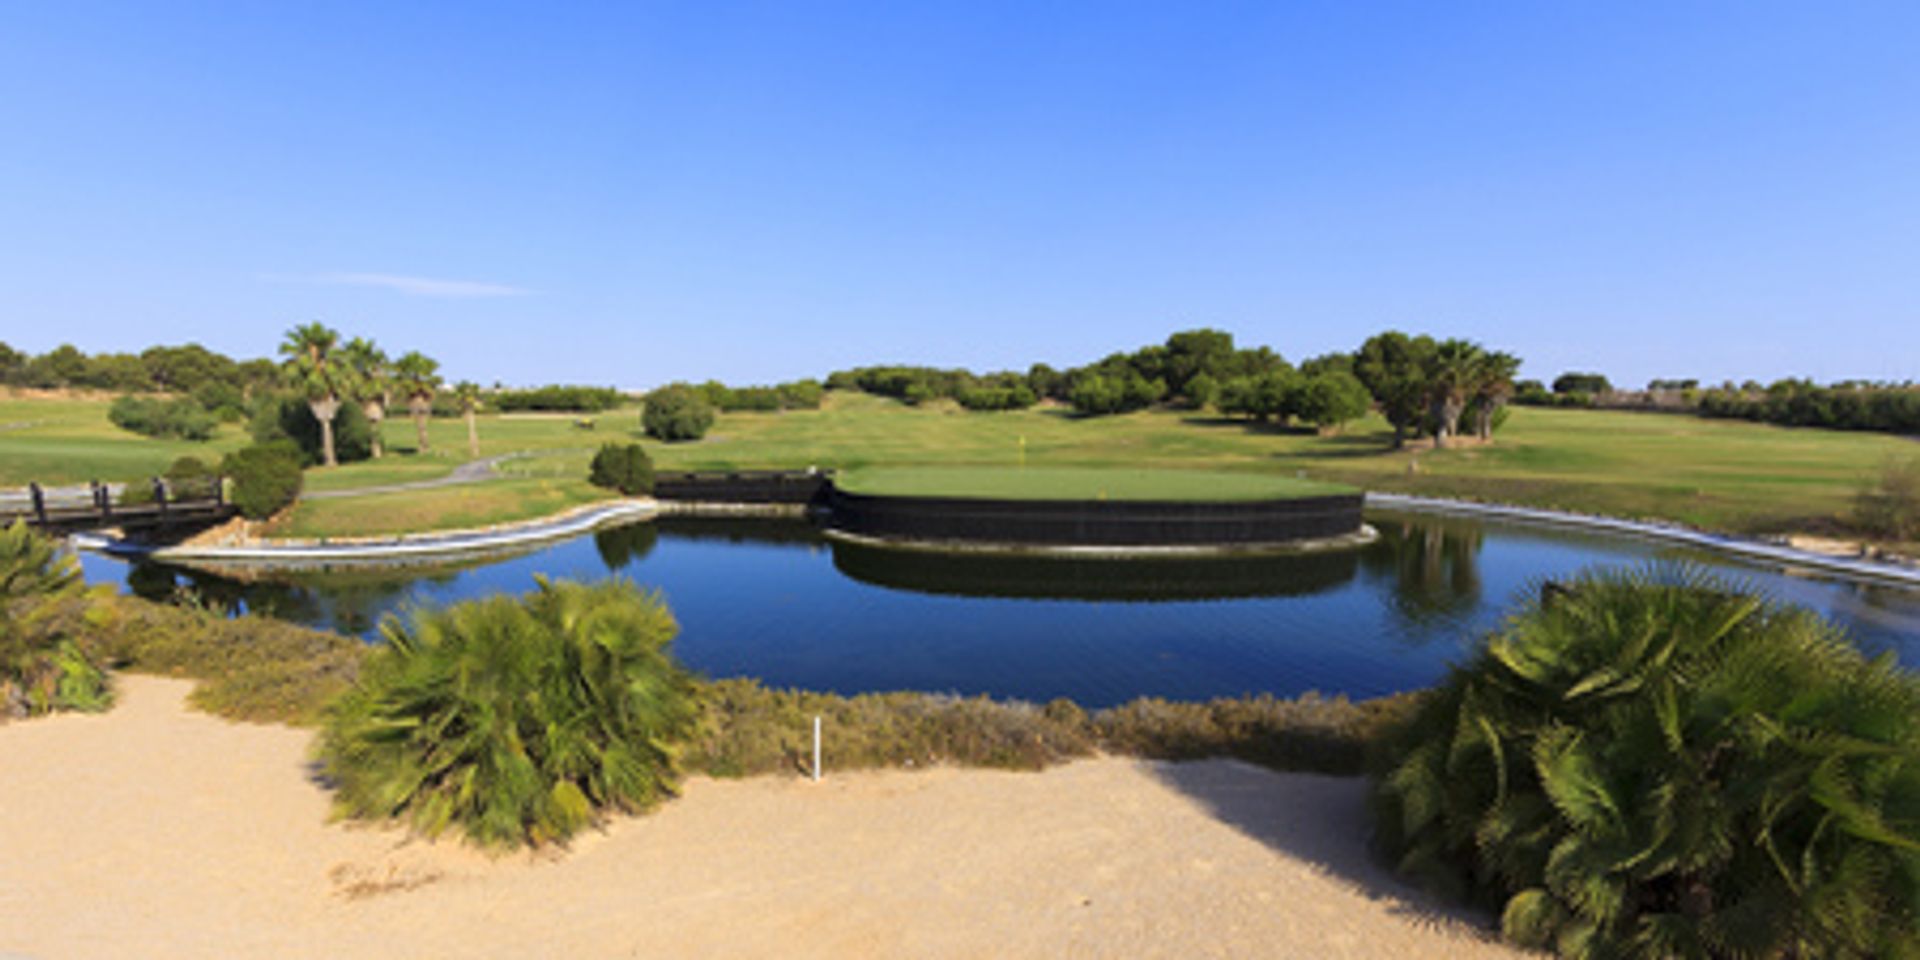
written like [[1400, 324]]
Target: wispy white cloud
[[411, 286]]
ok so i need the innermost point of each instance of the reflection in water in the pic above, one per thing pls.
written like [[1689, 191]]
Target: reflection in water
[[774, 600], [620, 546], [349, 599], [1433, 564], [1064, 578]]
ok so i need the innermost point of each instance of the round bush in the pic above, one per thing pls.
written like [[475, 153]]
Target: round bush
[[266, 478], [1655, 764], [624, 467], [518, 720], [677, 412]]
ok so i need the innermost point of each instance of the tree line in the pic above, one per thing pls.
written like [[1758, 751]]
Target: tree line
[[1422, 386], [1792, 402]]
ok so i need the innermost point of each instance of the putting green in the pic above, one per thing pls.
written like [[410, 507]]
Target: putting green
[[1088, 483]]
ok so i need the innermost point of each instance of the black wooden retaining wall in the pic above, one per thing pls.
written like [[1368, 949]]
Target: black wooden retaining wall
[[1096, 523], [1072, 578], [742, 486]]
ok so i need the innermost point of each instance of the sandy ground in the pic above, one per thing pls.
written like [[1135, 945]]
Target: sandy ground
[[153, 831]]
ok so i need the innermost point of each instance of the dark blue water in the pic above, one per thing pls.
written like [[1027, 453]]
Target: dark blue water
[[775, 601]]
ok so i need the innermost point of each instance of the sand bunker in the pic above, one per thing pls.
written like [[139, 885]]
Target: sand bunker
[[157, 832]]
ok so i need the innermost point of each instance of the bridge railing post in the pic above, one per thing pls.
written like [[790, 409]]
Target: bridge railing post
[[39, 503], [160, 494]]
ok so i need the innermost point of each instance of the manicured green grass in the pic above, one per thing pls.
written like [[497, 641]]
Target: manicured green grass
[[69, 440], [1079, 483], [1718, 474], [1725, 475], [449, 508]]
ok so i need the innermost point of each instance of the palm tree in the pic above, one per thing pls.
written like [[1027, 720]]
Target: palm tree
[[418, 377], [1491, 389], [315, 368], [374, 376], [1452, 372], [468, 393]]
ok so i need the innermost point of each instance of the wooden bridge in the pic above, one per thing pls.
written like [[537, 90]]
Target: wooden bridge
[[169, 507]]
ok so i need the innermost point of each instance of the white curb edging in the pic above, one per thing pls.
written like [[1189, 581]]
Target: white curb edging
[[572, 523], [1672, 533]]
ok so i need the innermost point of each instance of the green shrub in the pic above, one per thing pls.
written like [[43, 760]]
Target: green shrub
[[266, 478], [181, 417], [252, 667], [753, 729], [1653, 764], [1330, 399], [517, 719], [573, 399], [624, 467], [44, 606], [677, 412], [186, 477]]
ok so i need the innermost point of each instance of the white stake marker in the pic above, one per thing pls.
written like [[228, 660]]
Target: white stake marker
[[816, 749]]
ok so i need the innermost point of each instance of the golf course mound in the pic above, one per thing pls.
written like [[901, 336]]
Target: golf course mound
[[1089, 510]]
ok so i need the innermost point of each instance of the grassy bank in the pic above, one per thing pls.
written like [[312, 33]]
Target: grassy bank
[[258, 669], [467, 506], [1718, 474]]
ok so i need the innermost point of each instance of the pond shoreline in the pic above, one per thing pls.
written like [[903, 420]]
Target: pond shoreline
[[584, 519], [1883, 571]]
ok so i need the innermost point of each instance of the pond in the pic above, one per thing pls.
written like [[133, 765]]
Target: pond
[[775, 600]]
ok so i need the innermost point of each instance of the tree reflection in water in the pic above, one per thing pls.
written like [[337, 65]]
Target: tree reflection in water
[[1433, 564]]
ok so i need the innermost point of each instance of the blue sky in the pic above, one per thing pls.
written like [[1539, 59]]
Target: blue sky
[[628, 194]]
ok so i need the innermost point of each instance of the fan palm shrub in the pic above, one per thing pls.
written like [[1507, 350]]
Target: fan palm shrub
[[44, 605], [518, 720], [1655, 764]]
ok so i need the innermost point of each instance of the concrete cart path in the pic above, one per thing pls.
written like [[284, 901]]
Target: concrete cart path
[[473, 471]]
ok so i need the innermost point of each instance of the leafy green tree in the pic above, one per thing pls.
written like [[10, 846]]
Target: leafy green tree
[[1193, 353], [1393, 366], [1271, 395], [518, 720], [315, 369], [187, 368], [1330, 399], [373, 384], [13, 364], [1202, 391], [417, 378], [44, 602], [676, 412], [116, 371], [1576, 382], [1327, 363], [1656, 764]]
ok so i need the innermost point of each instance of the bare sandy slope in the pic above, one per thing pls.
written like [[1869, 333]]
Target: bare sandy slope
[[156, 832]]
